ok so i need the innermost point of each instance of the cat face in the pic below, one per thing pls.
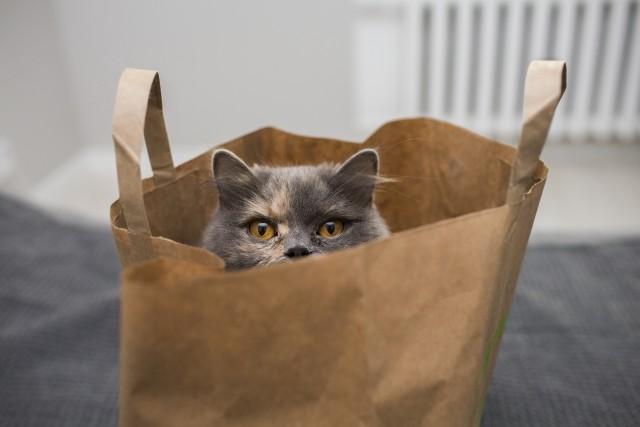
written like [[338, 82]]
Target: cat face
[[276, 214]]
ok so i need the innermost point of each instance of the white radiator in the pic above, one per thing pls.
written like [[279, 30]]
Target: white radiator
[[465, 61]]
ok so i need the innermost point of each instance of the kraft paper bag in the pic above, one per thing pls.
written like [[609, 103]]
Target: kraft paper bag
[[402, 331]]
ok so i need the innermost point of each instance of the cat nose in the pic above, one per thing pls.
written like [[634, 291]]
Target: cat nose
[[297, 251]]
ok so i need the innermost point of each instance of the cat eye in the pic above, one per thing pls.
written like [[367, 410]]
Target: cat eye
[[331, 228], [262, 230]]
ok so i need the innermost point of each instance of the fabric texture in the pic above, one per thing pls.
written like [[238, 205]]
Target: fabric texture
[[569, 356], [59, 311]]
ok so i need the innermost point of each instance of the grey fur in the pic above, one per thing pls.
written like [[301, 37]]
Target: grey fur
[[297, 200]]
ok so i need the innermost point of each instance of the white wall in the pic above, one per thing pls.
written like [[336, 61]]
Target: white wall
[[227, 68], [38, 126]]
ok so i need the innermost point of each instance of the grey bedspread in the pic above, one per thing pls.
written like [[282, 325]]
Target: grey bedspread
[[570, 355]]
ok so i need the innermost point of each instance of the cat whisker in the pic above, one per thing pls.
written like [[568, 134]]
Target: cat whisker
[[387, 190], [398, 178], [395, 144]]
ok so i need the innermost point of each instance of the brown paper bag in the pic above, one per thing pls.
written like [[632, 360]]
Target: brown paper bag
[[398, 332]]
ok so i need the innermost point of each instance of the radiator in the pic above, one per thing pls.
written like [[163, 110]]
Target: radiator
[[464, 61]]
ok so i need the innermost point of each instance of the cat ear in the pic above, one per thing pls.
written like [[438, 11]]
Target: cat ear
[[233, 177], [357, 177], [364, 162]]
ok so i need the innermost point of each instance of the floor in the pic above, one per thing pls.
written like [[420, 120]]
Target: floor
[[592, 192]]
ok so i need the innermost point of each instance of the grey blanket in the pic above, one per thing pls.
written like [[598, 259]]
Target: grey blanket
[[570, 355]]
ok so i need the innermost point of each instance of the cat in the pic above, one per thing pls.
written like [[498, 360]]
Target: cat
[[268, 214]]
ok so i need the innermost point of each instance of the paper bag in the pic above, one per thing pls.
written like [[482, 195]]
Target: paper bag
[[402, 331]]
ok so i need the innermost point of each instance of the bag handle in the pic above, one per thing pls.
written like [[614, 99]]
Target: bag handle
[[137, 114], [544, 85]]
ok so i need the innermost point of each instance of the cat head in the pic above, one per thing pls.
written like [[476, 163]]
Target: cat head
[[274, 214]]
